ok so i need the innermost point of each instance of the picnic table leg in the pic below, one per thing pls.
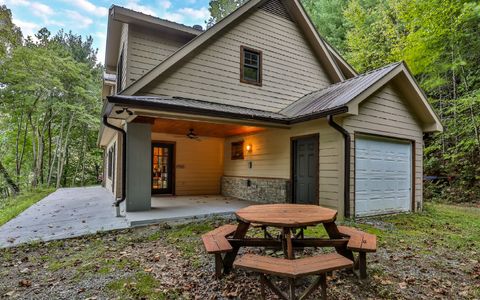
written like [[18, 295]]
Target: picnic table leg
[[229, 258], [333, 233], [291, 290], [362, 261], [287, 241], [218, 265], [323, 284]]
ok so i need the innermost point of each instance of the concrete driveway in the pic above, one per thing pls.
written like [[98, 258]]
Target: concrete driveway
[[68, 212]]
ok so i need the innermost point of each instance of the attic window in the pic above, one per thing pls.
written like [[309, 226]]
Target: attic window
[[250, 66]]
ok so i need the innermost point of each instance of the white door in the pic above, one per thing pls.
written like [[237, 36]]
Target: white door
[[383, 176]]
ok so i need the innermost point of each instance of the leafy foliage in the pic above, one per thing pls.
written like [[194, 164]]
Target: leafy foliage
[[49, 107], [439, 40], [219, 9]]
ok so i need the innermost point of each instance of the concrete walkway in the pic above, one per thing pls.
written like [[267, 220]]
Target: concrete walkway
[[68, 212]]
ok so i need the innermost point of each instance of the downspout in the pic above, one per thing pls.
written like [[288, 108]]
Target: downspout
[[346, 170], [124, 162]]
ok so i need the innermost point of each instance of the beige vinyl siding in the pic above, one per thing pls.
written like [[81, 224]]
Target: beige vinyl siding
[[290, 68], [386, 113], [124, 46], [148, 48], [114, 187], [199, 165], [270, 158]]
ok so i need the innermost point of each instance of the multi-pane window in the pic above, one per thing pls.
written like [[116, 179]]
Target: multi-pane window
[[111, 162], [250, 66]]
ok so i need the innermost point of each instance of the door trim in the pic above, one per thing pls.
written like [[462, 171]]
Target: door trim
[[174, 152], [357, 134], [293, 139]]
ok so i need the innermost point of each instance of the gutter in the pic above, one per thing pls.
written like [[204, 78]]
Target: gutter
[[124, 162], [346, 170]]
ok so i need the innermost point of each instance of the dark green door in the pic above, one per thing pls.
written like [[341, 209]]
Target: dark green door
[[162, 168], [305, 170]]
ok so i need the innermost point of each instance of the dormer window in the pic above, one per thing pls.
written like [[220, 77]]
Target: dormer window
[[250, 66]]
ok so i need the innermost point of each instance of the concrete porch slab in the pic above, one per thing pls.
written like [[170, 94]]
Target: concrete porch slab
[[178, 208], [66, 213]]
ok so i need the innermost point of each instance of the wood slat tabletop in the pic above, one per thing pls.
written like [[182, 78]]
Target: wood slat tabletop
[[286, 215]]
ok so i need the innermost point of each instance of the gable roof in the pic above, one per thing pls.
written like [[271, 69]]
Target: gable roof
[[350, 93], [295, 9], [340, 98], [336, 95]]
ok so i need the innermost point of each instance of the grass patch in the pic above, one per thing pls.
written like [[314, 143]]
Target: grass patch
[[186, 238], [13, 206], [140, 286], [449, 226]]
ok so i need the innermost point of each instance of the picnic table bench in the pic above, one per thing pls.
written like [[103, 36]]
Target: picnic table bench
[[216, 243], [292, 219], [362, 243], [293, 269]]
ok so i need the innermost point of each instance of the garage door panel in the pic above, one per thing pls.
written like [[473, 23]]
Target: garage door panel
[[383, 175]]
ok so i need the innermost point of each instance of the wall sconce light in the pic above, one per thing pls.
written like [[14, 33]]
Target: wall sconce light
[[249, 148]]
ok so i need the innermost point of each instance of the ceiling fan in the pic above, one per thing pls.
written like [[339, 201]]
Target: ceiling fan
[[192, 135]]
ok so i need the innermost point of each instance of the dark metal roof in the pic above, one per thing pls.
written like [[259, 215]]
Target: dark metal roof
[[328, 101], [337, 95], [179, 104]]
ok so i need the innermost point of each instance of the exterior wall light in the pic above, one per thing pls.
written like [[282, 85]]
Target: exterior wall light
[[249, 148]]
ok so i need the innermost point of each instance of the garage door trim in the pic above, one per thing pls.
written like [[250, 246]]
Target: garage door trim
[[360, 134]]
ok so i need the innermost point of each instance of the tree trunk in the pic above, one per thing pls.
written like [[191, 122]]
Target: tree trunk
[[13, 186], [61, 157]]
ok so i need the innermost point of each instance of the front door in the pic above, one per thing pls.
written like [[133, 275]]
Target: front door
[[162, 168], [305, 170]]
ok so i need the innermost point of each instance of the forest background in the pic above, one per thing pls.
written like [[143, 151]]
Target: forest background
[[50, 89]]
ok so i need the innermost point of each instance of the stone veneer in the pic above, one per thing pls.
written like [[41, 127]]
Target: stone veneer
[[263, 190]]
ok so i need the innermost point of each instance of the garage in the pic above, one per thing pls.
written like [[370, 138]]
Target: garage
[[383, 175]]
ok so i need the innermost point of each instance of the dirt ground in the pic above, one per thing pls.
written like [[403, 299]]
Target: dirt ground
[[431, 255]]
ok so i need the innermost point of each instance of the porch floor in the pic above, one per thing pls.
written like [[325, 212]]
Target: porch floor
[[178, 208]]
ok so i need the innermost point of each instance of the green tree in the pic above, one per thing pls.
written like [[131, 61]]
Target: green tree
[[327, 16], [219, 9], [50, 102], [10, 34]]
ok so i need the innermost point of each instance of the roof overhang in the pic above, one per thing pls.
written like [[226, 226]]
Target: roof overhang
[[119, 15], [144, 105]]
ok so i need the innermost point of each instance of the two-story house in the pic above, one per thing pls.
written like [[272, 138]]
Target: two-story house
[[257, 107]]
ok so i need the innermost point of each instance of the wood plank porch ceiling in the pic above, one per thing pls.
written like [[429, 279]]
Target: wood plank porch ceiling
[[182, 127]]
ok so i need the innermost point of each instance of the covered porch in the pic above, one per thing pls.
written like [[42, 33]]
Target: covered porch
[[176, 165]]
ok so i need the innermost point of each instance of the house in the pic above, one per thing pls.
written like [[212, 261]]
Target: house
[[257, 107]]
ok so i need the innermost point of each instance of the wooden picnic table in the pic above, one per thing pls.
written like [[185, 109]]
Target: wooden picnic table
[[289, 218]]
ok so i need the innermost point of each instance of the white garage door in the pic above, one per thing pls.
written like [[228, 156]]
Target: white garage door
[[383, 176]]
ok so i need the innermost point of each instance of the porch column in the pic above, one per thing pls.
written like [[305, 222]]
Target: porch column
[[139, 148]]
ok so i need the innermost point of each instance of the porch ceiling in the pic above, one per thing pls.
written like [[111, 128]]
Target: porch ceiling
[[182, 127]]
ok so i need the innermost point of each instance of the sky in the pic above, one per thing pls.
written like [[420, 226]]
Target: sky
[[90, 17]]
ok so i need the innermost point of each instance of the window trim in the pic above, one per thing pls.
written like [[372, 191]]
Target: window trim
[[242, 64], [110, 163], [111, 157], [239, 144]]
